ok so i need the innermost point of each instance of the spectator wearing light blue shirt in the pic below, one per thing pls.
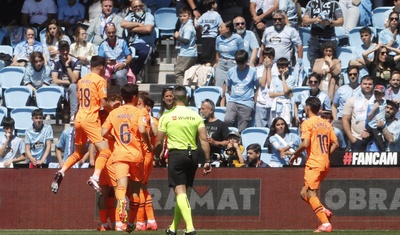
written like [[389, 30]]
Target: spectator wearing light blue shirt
[[344, 92], [209, 23], [37, 73], [300, 100], [390, 36], [249, 39], [24, 49], [140, 34], [367, 44], [38, 140], [279, 141], [226, 45], [242, 79], [186, 40], [118, 57]]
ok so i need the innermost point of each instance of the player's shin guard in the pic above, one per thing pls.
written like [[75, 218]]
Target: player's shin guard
[[141, 215], [318, 209], [148, 205], [102, 159], [133, 208], [72, 159], [183, 203], [120, 192]]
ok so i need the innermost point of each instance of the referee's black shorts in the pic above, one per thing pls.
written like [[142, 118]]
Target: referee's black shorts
[[181, 168]]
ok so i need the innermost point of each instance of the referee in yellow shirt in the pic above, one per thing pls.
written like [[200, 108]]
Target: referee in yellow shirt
[[182, 125]]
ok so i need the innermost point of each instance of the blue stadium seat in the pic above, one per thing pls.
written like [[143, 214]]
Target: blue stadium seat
[[340, 33], [17, 96], [84, 70], [156, 111], [23, 118], [207, 92], [254, 135], [232, 128], [11, 76], [47, 99], [345, 54], [2, 65], [219, 113], [6, 49], [3, 114], [165, 19], [378, 17], [265, 156]]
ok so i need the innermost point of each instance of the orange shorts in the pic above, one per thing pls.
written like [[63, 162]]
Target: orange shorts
[[134, 169], [313, 176], [87, 130], [148, 167], [107, 176]]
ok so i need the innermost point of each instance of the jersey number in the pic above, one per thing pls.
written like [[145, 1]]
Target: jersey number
[[323, 143], [206, 29], [124, 134], [85, 97]]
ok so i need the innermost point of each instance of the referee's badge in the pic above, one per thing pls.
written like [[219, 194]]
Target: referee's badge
[[144, 119], [105, 90]]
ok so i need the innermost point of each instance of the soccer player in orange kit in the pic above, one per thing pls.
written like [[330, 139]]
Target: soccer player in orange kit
[[127, 124], [320, 141], [92, 95]]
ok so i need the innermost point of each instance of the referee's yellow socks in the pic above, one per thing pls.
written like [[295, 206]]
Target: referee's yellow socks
[[183, 203]]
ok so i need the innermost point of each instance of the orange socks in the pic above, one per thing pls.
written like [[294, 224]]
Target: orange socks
[[141, 215], [318, 209], [72, 159], [102, 159], [149, 206]]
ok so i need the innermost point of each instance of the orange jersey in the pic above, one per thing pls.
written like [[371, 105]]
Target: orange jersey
[[91, 89], [123, 123], [321, 135], [153, 138], [148, 127]]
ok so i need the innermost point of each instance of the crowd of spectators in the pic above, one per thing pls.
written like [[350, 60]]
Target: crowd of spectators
[[259, 64]]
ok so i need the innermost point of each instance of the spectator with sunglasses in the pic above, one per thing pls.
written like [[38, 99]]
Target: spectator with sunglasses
[[300, 100], [283, 38], [343, 93], [139, 33], [382, 65], [390, 36], [118, 57], [249, 39]]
